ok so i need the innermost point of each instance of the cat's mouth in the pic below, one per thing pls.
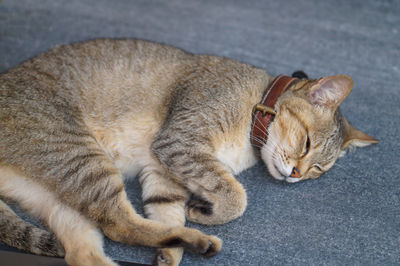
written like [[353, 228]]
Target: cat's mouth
[[273, 164], [282, 176]]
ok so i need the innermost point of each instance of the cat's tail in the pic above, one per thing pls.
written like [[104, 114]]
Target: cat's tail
[[19, 234], [300, 74]]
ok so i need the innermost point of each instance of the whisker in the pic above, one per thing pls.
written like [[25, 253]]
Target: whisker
[[259, 120], [270, 149], [341, 167], [281, 161], [259, 128], [256, 145], [259, 142], [275, 144], [257, 139]]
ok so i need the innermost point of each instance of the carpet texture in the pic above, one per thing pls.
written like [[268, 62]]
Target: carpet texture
[[351, 215]]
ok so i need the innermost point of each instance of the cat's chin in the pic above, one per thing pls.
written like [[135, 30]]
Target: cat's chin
[[292, 180], [272, 168], [274, 171], [285, 178]]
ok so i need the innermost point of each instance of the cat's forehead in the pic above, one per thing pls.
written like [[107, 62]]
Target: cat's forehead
[[302, 119], [292, 106]]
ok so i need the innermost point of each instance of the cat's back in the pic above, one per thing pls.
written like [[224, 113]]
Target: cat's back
[[73, 85], [118, 91], [97, 73], [108, 90]]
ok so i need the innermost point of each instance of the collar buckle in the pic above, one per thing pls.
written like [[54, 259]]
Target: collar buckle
[[264, 113], [263, 109]]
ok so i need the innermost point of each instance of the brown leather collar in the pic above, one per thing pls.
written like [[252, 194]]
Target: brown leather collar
[[263, 112]]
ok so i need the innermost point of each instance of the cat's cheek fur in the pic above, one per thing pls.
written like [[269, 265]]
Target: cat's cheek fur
[[268, 159]]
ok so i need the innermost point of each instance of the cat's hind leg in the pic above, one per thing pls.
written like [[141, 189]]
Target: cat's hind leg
[[163, 201], [74, 167], [81, 238]]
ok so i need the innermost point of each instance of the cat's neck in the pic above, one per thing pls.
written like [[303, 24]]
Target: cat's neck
[[263, 112]]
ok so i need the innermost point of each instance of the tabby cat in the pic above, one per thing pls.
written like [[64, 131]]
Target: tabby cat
[[76, 120]]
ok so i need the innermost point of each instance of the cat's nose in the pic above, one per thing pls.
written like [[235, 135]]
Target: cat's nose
[[295, 173]]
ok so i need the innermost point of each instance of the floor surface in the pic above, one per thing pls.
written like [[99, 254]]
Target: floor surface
[[351, 215]]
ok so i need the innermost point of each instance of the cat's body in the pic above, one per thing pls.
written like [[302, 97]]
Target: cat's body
[[75, 120]]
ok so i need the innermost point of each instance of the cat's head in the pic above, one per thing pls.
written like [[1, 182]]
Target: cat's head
[[308, 133]]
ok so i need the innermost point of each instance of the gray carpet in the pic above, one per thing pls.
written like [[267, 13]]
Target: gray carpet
[[351, 215]]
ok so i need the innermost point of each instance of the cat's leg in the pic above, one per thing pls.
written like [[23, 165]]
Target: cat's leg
[[83, 177], [121, 223], [69, 162], [163, 201], [81, 239], [217, 196]]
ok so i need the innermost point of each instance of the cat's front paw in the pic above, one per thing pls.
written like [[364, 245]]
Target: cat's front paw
[[213, 247], [197, 204], [207, 246], [193, 240], [216, 208], [200, 211]]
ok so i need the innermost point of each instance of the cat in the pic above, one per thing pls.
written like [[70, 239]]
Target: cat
[[76, 120]]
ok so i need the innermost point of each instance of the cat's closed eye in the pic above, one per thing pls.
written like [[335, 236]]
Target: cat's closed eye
[[318, 168], [307, 146]]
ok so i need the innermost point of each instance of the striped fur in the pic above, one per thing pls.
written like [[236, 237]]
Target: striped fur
[[22, 235], [75, 121]]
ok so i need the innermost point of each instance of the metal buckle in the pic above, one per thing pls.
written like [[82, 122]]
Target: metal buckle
[[263, 109]]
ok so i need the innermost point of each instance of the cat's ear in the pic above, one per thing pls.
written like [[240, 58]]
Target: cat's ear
[[330, 91], [355, 138]]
